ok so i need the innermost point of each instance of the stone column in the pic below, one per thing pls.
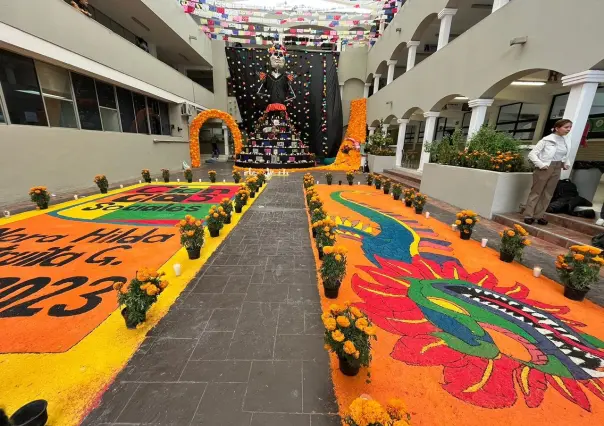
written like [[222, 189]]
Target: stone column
[[376, 83], [225, 135], [371, 131], [385, 128], [366, 90], [498, 4], [382, 27], [400, 141], [431, 117], [391, 66], [411, 54], [479, 113], [583, 87], [446, 17]]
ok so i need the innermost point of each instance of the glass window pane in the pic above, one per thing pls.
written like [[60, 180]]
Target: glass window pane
[[88, 107], [105, 94], [2, 119], [60, 113], [559, 107], [506, 127], [529, 125], [466, 119], [597, 107], [140, 111], [21, 90], [111, 121], [154, 119], [124, 98], [164, 115], [54, 81], [509, 113], [524, 136], [530, 112]]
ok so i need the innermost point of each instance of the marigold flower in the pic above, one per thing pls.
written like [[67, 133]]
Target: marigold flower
[[327, 347], [361, 324], [343, 321], [526, 242], [328, 250], [163, 284], [511, 233], [599, 260], [579, 257], [198, 223], [215, 215], [396, 408], [584, 249], [356, 312], [469, 221], [349, 347], [330, 324], [458, 222], [337, 335], [190, 233], [335, 309], [370, 331], [338, 257], [595, 251]]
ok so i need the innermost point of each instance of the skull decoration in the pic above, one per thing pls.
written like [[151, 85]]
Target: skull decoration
[[277, 57]]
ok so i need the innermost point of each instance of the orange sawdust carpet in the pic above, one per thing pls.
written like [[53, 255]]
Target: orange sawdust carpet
[[464, 338]]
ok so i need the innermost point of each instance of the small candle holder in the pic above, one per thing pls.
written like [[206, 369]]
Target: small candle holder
[[427, 215], [454, 228], [140, 181], [537, 271], [6, 213], [484, 242], [75, 197], [177, 269], [121, 186], [177, 180]]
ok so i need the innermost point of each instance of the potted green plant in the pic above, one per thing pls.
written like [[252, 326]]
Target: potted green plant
[[397, 190], [387, 183], [419, 201], [329, 178], [191, 236], [380, 156], [325, 236], [579, 269], [165, 174], [215, 220], [212, 176], [139, 295], [465, 222], [348, 334], [513, 242], [102, 182], [40, 196], [236, 176], [350, 177], [333, 270], [370, 179], [377, 180], [227, 206], [146, 174], [240, 200], [409, 194], [252, 185], [189, 175]]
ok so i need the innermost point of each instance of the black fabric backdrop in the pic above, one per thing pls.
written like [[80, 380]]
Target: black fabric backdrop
[[316, 114]]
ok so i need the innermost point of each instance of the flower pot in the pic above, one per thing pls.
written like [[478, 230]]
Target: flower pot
[[252, 195], [314, 233], [43, 206], [386, 191], [378, 186], [506, 257], [328, 182], [320, 250], [214, 233], [236, 180], [194, 252], [339, 182], [408, 203], [103, 190], [574, 294], [369, 183], [465, 236], [166, 180], [331, 293], [190, 180], [238, 209], [148, 180], [349, 183], [31, 414], [396, 197], [227, 220], [131, 324], [419, 210], [347, 368]]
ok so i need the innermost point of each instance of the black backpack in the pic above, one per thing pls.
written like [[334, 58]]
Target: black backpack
[[565, 190], [598, 241]]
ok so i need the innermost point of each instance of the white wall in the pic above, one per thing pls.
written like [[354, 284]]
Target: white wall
[[353, 89], [352, 64]]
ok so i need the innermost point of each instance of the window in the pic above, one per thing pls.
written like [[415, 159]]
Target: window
[[409, 134], [140, 113], [465, 123], [2, 119], [21, 90], [422, 128], [108, 107], [595, 120], [87, 102], [166, 129], [154, 120], [444, 127], [56, 91], [127, 117], [519, 119]]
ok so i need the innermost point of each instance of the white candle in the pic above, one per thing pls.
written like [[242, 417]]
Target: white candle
[[223, 180], [200, 180], [537, 271], [177, 180], [484, 242], [140, 181], [53, 195], [177, 269], [317, 182], [6, 213], [156, 180], [75, 197], [121, 186], [427, 215], [454, 227], [358, 183]]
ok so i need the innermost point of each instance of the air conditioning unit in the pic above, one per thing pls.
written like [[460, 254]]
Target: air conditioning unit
[[187, 109]]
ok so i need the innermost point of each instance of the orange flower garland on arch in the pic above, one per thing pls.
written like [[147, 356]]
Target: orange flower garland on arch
[[198, 121]]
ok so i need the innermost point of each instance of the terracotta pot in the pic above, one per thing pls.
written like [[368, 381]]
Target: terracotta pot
[[347, 368], [465, 236], [506, 257], [574, 294], [194, 252]]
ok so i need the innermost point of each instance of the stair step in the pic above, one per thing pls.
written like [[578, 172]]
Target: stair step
[[584, 226], [552, 233], [403, 181], [407, 175]]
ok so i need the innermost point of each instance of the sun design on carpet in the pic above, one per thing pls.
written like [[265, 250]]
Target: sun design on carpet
[[493, 342]]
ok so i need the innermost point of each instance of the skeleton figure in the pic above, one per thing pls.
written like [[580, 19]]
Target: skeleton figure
[[276, 85]]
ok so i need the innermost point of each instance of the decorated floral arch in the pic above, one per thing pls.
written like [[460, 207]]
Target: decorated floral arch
[[198, 121]]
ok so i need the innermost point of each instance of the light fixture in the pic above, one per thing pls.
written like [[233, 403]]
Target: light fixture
[[460, 98], [29, 92], [62, 98], [398, 30], [528, 83], [518, 40]]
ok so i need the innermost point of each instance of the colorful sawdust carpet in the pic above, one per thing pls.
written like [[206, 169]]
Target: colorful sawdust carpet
[[61, 337], [464, 338]]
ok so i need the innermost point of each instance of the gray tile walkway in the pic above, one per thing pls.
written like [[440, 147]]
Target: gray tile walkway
[[243, 344]]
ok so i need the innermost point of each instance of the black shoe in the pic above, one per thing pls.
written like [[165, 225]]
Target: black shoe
[[529, 220], [542, 222]]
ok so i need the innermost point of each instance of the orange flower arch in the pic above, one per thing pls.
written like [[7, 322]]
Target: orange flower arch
[[198, 121]]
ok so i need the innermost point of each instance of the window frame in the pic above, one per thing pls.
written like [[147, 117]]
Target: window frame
[[117, 107], [3, 107], [73, 99], [517, 122]]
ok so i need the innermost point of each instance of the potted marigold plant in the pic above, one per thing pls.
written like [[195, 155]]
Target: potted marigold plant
[[227, 206], [397, 191], [310, 192], [40, 196], [419, 202], [240, 200], [333, 270], [137, 296], [578, 270], [365, 411], [191, 236], [350, 177], [377, 180], [261, 178], [215, 220], [348, 333], [102, 182], [329, 178], [189, 175], [165, 174], [252, 184], [387, 183], [245, 189], [308, 180], [315, 203], [146, 174], [409, 195], [316, 216], [326, 236], [513, 242], [236, 176], [370, 179], [466, 219], [212, 176]]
